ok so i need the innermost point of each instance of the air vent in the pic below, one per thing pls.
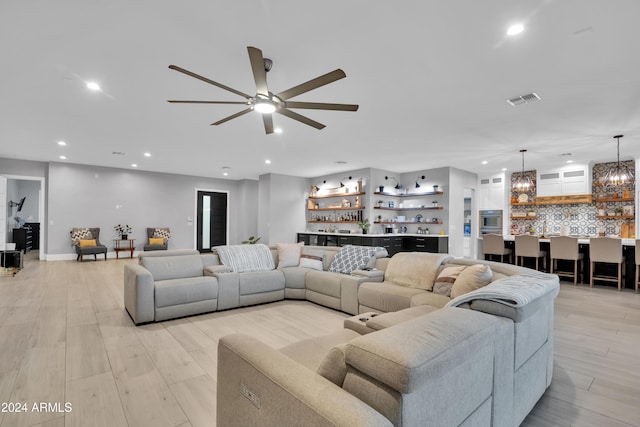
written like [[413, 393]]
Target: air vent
[[524, 99]]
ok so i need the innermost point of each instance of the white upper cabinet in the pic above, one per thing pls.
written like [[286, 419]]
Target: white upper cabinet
[[491, 192], [571, 179]]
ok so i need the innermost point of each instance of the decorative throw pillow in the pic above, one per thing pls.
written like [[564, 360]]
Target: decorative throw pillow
[[289, 254], [87, 243], [156, 241], [446, 279], [243, 258], [470, 279], [80, 233], [163, 233], [350, 258], [312, 258]]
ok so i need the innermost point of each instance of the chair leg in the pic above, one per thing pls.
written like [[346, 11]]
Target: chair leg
[[575, 272], [591, 275], [619, 277], [537, 258], [637, 271]]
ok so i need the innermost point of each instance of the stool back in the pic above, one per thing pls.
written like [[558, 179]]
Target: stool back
[[493, 244], [527, 246], [564, 247], [605, 249]]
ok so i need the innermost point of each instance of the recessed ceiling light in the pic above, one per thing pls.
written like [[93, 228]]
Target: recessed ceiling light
[[484, 162], [515, 29], [133, 165], [62, 143], [268, 161], [62, 157], [503, 169], [225, 173], [147, 154], [569, 161], [93, 86], [277, 130]]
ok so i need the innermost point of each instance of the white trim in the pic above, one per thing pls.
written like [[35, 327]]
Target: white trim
[[110, 256]]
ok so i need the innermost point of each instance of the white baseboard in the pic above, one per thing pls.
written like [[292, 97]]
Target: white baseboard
[[73, 256]]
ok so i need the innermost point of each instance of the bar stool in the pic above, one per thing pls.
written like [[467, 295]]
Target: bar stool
[[606, 250], [493, 244], [637, 249], [529, 247], [566, 248]]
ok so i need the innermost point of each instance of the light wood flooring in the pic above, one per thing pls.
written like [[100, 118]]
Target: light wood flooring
[[66, 338]]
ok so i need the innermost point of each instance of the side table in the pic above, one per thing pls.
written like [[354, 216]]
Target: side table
[[123, 245]]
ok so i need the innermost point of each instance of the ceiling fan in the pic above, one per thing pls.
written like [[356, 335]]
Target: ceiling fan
[[267, 102]]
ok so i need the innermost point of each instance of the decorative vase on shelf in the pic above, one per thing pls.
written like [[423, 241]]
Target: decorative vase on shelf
[[125, 237]]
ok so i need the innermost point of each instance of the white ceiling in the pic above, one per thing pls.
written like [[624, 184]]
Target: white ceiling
[[431, 79]]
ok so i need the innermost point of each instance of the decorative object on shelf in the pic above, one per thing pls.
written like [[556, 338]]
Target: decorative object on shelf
[[619, 210], [364, 225], [417, 179], [123, 231], [523, 198], [523, 182], [381, 188], [358, 201], [620, 174], [435, 203], [531, 212], [252, 240], [359, 187], [392, 204], [435, 188], [380, 202], [345, 203]]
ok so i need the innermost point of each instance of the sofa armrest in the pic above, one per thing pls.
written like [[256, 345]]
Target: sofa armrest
[[258, 385], [139, 295], [349, 285], [211, 270]]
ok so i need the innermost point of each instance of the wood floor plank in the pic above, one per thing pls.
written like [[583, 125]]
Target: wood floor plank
[[50, 309], [95, 402]]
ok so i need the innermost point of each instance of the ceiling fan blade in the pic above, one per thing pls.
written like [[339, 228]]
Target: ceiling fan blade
[[206, 102], [300, 118], [321, 106], [206, 80], [259, 73], [233, 116], [268, 123], [312, 84]]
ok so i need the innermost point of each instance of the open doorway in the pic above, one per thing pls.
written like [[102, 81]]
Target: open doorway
[[468, 248], [24, 218]]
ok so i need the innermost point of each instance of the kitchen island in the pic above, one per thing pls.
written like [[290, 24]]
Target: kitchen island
[[393, 243]]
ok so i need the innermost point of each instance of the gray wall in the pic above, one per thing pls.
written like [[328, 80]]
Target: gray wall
[[89, 196], [282, 207]]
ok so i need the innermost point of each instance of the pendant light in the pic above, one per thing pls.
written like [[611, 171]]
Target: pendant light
[[619, 175], [523, 182]]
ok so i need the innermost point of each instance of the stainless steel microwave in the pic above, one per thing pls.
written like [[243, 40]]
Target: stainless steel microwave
[[491, 221]]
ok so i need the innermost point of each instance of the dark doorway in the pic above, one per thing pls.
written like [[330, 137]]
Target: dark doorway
[[212, 220]]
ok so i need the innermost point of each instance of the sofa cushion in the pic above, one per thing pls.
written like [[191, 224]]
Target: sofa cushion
[[245, 258], [471, 278], [173, 267], [312, 258], [262, 281], [351, 257], [185, 290], [429, 298], [414, 269], [324, 282], [446, 278], [289, 254], [385, 320], [386, 296], [316, 353]]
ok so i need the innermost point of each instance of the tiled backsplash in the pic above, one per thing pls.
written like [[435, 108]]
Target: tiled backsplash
[[579, 218]]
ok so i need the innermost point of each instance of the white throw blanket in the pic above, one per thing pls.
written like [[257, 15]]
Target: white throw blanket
[[514, 291]]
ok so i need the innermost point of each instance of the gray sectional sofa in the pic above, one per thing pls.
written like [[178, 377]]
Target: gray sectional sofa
[[410, 355], [176, 283]]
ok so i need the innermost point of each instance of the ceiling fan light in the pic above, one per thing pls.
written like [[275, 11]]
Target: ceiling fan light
[[264, 107]]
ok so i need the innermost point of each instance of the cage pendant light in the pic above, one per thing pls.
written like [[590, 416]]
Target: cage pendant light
[[522, 181], [619, 175]]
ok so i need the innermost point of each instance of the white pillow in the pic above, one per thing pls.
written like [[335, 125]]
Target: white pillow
[[312, 258], [289, 254]]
